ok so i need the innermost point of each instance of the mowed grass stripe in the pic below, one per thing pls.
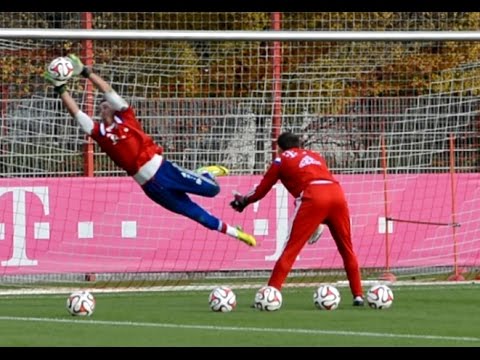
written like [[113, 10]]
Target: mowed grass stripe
[[240, 329]]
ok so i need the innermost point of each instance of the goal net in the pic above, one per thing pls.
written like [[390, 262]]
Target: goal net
[[397, 121]]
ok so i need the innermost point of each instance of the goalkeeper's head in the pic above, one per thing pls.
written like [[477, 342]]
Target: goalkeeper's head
[[288, 140], [106, 111]]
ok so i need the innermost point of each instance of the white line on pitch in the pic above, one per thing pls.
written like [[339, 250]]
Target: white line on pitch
[[240, 329], [208, 287]]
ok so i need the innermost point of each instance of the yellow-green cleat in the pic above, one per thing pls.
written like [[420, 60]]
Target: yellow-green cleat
[[215, 170], [246, 238]]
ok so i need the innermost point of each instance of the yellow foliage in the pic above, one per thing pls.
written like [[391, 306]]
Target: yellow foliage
[[241, 68]]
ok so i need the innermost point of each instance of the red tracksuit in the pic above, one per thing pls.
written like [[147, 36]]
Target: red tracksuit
[[320, 200]]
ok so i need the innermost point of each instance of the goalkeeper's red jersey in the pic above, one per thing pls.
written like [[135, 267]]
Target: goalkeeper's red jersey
[[296, 168], [125, 142]]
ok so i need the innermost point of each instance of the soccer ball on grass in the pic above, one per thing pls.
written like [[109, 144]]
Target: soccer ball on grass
[[222, 299], [61, 68], [380, 297], [268, 298], [81, 303], [326, 297]]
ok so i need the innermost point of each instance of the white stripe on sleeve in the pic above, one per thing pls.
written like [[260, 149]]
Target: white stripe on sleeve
[[85, 122], [117, 102]]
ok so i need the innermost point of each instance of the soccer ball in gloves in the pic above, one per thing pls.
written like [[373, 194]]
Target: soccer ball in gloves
[[61, 69]]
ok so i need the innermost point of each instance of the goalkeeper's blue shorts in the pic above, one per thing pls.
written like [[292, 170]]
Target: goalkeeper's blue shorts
[[169, 188]]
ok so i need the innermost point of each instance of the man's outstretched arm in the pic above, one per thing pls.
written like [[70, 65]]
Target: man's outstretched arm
[[83, 120], [117, 102], [60, 88]]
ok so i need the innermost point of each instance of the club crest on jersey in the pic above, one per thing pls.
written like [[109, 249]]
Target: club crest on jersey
[[290, 154], [113, 137], [308, 160]]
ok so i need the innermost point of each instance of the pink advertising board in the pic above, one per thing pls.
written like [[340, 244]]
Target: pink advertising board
[[57, 225]]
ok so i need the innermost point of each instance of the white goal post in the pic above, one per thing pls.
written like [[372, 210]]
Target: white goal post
[[191, 35]]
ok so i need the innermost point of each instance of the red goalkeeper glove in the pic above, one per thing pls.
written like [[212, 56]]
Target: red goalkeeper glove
[[239, 202]]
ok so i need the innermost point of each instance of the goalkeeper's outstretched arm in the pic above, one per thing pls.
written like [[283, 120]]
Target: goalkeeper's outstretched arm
[[83, 120], [60, 88], [117, 102]]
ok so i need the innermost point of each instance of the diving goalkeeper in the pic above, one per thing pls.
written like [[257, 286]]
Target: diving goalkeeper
[[120, 135]]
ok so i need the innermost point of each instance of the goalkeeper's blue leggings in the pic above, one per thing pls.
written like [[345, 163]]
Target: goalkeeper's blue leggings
[[169, 188]]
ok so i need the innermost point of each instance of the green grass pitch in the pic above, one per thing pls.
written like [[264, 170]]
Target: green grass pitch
[[420, 316]]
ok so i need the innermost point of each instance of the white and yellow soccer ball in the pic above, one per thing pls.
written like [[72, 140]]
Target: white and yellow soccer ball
[[380, 297], [268, 298], [326, 297], [222, 299], [81, 303], [61, 68]]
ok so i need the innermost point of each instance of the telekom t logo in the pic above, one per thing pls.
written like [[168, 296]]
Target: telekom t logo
[[19, 244], [260, 226]]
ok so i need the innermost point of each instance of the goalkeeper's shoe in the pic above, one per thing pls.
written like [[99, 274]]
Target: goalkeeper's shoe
[[316, 235], [246, 238], [358, 301], [215, 170]]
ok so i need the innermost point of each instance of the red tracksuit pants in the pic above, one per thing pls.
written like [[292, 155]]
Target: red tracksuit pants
[[320, 204]]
